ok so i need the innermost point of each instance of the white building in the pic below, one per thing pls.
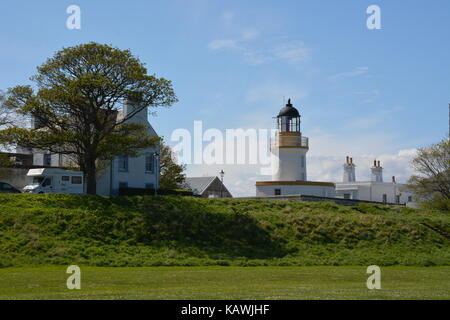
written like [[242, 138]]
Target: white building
[[373, 190], [123, 171], [289, 150]]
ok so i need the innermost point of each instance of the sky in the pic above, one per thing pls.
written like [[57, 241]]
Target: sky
[[365, 93]]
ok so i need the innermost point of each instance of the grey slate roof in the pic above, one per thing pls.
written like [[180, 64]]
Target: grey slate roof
[[198, 184]]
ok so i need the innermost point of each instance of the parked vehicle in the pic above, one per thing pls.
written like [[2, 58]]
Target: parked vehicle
[[7, 188], [49, 180]]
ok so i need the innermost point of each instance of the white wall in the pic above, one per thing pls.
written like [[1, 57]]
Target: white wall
[[373, 191], [321, 191], [288, 164], [135, 176]]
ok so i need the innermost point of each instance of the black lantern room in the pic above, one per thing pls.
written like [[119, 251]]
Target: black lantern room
[[288, 120]]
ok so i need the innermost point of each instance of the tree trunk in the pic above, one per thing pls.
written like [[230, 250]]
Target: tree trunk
[[90, 177]]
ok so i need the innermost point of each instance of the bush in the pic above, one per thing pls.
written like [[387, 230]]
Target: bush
[[150, 192]]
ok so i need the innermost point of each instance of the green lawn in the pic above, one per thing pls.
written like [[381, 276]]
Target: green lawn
[[225, 283]]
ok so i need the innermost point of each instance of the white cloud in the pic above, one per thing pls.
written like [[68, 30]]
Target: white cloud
[[329, 168], [222, 44], [344, 75], [293, 52], [240, 179], [227, 17], [370, 95], [374, 118], [250, 34]]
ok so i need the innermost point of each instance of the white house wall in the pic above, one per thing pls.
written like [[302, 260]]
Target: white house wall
[[321, 191], [373, 191]]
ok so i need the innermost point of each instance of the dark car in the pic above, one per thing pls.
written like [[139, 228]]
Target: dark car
[[7, 188]]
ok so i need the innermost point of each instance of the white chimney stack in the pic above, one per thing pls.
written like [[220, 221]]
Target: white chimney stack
[[377, 171], [349, 171]]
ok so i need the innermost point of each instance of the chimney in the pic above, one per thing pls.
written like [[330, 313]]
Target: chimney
[[349, 171], [377, 172], [129, 107]]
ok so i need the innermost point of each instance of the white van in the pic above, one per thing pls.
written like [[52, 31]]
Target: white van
[[49, 180]]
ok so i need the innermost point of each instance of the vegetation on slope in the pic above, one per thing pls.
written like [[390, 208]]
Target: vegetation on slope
[[154, 231]]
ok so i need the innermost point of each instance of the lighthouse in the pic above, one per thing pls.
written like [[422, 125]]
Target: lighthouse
[[288, 153], [289, 147]]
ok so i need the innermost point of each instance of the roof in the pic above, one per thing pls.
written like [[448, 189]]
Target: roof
[[198, 184], [51, 171], [289, 111]]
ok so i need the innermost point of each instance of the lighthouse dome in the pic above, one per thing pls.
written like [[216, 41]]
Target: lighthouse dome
[[289, 111]]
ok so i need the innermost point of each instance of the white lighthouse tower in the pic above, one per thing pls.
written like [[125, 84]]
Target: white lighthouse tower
[[289, 149]]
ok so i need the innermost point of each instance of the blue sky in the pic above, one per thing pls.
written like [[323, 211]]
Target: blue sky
[[367, 93]]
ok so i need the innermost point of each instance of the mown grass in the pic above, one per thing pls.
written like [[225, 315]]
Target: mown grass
[[184, 231], [225, 283]]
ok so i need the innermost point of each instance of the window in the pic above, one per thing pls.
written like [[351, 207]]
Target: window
[[278, 192], [65, 178], [409, 198], [302, 160], [384, 198], [346, 195], [47, 159], [47, 182], [37, 180], [149, 163], [397, 199], [149, 186], [123, 163], [123, 185], [76, 180], [6, 186]]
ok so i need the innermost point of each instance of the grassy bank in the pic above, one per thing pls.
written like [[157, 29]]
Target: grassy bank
[[184, 231], [225, 283]]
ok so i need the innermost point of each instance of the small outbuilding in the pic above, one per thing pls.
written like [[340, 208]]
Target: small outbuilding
[[207, 187]]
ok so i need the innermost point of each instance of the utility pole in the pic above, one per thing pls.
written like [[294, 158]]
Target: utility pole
[[222, 173]]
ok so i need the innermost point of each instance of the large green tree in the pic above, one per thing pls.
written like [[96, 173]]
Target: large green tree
[[431, 184], [75, 103], [172, 173]]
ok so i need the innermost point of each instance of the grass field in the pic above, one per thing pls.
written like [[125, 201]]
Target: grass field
[[225, 283], [56, 229]]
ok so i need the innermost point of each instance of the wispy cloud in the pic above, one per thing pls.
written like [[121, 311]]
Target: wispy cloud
[[227, 17], [374, 118], [222, 44], [250, 34], [369, 95], [292, 52], [350, 74]]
